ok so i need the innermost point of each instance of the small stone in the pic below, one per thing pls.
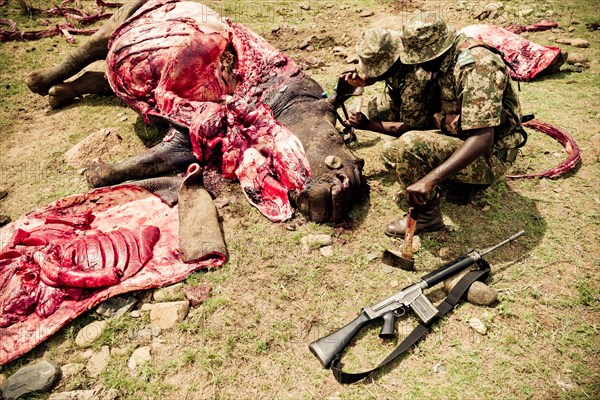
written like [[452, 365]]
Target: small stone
[[196, 294], [139, 356], [167, 315], [304, 6], [366, 14], [444, 252], [486, 208], [477, 326], [135, 314], [565, 383], [575, 58], [310, 48], [147, 306], [556, 30], [116, 306], [86, 355], [155, 330], [439, 369], [89, 333], [394, 283], [35, 378], [69, 370], [372, 257], [221, 202], [2, 379], [307, 42], [275, 29], [123, 119], [98, 362], [314, 62], [352, 59], [571, 29], [581, 43], [312, 242], [525, 12], [326, 251], [74, 395], [564, 41], [333, 162], [340, 51], [169, 293]]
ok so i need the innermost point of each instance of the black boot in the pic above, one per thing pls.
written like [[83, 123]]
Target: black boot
[[429, 219]]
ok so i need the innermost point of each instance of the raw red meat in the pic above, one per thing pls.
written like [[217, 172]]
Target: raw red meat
[[180, 61], [528, 59], [69, 256]]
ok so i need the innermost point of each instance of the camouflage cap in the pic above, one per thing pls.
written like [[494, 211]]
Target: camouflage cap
[[377, 50], [425, 37]]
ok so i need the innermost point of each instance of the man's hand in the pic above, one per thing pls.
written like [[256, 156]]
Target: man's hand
[[354, 78], [358, 120], [419, 192]]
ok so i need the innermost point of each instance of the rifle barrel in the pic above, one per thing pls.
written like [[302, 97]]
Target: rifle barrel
[[510, 239]]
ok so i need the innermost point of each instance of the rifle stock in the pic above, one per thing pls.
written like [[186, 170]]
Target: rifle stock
[[326, 348]]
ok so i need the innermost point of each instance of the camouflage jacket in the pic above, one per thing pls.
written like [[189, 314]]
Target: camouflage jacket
[[413, 95], [475, 84]]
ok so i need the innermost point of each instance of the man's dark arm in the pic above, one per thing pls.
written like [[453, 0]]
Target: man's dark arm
[[478, 143], [391, 128]]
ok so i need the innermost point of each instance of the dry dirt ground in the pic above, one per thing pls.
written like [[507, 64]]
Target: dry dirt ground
[[249, 340]]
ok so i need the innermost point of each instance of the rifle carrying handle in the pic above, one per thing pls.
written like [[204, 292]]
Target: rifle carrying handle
[[328, 347]]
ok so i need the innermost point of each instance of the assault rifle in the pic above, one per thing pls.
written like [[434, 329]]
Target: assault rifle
[[329, 348]]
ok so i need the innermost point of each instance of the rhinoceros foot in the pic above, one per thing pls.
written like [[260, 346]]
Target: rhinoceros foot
[[60, 95], [99, 173], [40, 81]]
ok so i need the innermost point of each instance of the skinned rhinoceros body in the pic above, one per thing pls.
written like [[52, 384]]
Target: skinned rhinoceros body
[[234, 102]]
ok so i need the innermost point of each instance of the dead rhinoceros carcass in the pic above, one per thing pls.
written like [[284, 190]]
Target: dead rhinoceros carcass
[[234, 102]]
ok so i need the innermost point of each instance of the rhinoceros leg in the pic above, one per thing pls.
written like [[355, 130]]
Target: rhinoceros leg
[[165, 157], [90, 82], [93, 49]]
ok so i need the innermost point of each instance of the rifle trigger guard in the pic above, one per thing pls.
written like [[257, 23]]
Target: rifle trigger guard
[[398, 314]]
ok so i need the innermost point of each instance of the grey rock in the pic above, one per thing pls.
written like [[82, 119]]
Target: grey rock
[[89, 333], [310, 48], [366, 14], [116, 306], [388, 269], [564, 41], [575, 58], [35, 378], [579, 42], [326, 251], [372, 257], [167, 315], [307, 42], [304, 6], [312, 242], [352, 59], [147, 306], [97, 145], [169, 293], [69, 370], [139, 356], [135, 314], [477, 326], [98, 362], [525, 12]]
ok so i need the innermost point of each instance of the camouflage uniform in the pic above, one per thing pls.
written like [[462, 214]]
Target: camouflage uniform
[[476, 92], [410, 93], [410, 96]]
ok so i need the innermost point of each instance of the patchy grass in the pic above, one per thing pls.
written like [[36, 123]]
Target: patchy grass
[[249, 340]]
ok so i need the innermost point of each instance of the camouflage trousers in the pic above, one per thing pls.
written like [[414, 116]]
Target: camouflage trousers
[[416, 153]]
